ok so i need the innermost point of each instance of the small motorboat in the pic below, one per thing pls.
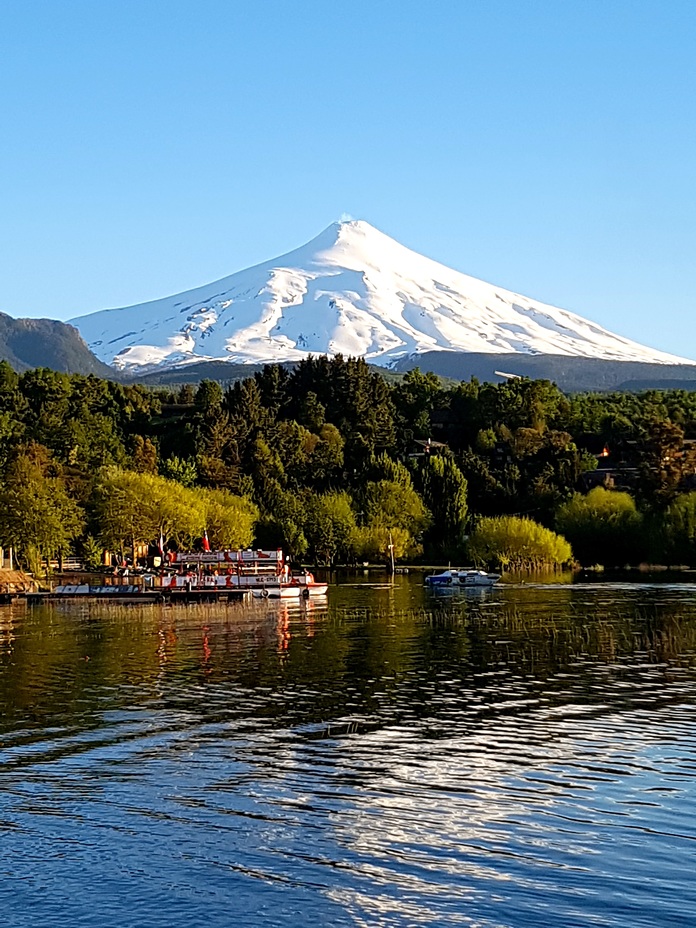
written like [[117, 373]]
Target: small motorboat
[[462, 578], [276, 591], [309, 586], [303, 585]]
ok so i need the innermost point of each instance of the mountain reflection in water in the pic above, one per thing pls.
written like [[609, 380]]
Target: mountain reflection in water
[[517, 757]]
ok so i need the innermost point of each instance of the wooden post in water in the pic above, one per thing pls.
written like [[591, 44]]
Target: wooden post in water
[[390, 565]]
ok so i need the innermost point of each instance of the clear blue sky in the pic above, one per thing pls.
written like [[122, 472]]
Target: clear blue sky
[[548, 146]]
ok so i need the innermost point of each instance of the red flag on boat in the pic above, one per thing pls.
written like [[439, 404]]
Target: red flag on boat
[[261, 554], [206, 543]]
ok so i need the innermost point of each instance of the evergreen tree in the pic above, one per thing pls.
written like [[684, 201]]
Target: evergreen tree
[[444, 491], [679, 530]]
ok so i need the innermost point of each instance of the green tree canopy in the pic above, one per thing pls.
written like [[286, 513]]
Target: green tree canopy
[[603, 527], [330, 527], [512, 542], [444, 490], [282, 525], [679, 530], [130, 508], [229, 519], [183, 470], [38, 517], [393, 514]]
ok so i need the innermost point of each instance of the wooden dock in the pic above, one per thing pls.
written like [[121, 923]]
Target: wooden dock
[[137, 596]]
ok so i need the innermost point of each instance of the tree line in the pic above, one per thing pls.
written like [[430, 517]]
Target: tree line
[[336, 464]]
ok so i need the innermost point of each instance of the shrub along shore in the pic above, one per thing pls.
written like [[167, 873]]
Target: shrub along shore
[[335, 464]]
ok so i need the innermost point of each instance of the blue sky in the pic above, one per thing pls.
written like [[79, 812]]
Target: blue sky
[[150, 146]]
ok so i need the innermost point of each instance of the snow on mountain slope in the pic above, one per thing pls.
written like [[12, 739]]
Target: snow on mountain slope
[[351, 290]]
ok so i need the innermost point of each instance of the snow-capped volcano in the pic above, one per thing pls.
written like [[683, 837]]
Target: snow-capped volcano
[[351, 290]]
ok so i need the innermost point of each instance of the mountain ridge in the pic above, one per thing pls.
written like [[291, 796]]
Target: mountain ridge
[[30, 343], [351, 290], [570, 373]]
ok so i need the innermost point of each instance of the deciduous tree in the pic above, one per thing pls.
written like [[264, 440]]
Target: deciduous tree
[[511, 542], [38, 517], [603, 527]]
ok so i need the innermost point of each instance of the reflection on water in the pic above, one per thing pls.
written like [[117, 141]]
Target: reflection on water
[[513, 757]]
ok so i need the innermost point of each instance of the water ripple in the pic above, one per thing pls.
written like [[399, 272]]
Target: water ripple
[[509, 760]]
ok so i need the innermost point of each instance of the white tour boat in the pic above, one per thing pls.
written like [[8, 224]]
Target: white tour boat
[[265, 572]]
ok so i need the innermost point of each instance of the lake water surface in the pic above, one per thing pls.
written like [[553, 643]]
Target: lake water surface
[[520, 757]]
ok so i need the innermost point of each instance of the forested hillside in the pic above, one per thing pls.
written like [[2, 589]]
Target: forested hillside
[[334, 464], [29, 343]]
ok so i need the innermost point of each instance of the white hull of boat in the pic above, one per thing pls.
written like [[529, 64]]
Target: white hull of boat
[[468, 579], [290, 591], [316, 589], [276, 592]]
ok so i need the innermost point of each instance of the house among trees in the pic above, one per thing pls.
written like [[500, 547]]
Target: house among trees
[[425, 447], [626, 463]]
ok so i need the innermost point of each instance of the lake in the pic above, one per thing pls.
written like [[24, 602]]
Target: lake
[[388, 757]]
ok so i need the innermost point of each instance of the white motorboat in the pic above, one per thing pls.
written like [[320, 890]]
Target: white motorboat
[[462, 578], [308, 585], [303, 585], [276, 591]]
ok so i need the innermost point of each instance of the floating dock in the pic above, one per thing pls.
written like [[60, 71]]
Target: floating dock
[[136, 595]]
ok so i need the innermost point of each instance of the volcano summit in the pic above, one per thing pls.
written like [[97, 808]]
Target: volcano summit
[[351, 290]]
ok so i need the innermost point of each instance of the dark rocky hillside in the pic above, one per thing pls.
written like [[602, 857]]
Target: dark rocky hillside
[[27, 343], [222, 371], [572, 374]]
